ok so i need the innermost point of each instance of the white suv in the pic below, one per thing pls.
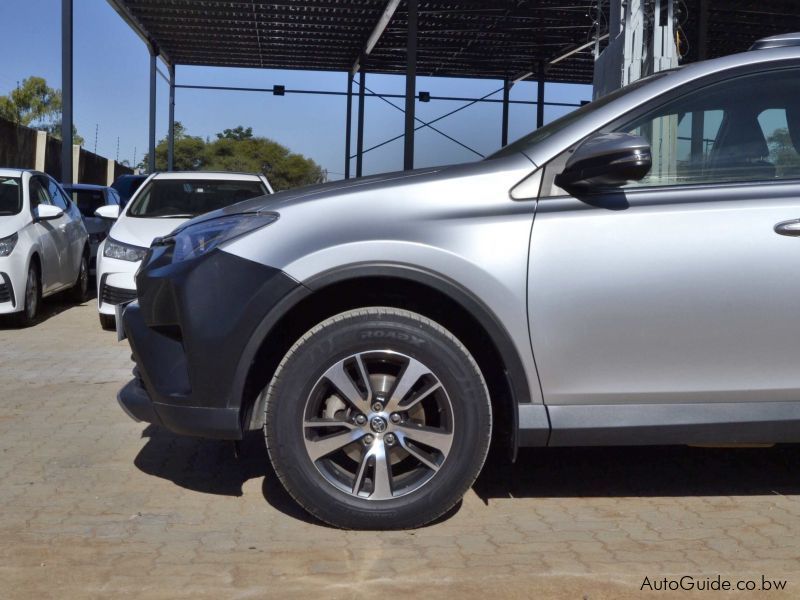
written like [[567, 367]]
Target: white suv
[[162, 203], [44, 248]]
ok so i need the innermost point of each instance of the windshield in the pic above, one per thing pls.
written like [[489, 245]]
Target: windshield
[[126, 185], [554, 127], [10, 196], [88, 201], [186, 198]]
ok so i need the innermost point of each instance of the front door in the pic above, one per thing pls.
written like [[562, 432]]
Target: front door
[[679, 289]]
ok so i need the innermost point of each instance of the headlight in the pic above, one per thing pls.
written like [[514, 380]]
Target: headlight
[[195, 240], [120, 251], [7, 244]]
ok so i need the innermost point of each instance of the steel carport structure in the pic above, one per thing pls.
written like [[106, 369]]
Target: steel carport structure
[[508, 40]]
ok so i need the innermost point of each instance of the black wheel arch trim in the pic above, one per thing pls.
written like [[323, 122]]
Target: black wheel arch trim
[[514, 369]]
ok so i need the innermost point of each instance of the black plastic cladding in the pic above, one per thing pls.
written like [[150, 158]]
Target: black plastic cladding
[[189, 331]]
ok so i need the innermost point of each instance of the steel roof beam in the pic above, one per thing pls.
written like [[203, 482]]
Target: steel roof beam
[[377, 32]]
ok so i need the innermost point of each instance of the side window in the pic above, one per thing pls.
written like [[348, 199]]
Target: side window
[[783, 153], [38, 192], [742, 129], [55, 195]]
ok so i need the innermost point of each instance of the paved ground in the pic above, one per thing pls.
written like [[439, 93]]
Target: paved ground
[[95, 505]]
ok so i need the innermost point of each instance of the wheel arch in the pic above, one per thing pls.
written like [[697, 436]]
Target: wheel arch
[[402, 286]]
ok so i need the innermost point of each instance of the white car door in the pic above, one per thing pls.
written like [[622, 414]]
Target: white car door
[[70, 234], [45, 233]]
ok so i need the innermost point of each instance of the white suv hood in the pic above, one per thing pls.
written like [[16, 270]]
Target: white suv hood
[[140, 231]]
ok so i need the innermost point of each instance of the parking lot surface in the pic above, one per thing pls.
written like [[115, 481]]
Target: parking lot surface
[[95, 505]]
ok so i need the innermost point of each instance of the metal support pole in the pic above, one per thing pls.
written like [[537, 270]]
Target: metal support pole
[[66, 92], [702, 31], [151, 146], [540, 97], [348, 126], [171, 130], [504, 130], [362, 82], [411, 86]]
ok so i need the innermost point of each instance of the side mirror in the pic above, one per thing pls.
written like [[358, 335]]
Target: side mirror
[[48, 212], [606, 160], [109, 211]]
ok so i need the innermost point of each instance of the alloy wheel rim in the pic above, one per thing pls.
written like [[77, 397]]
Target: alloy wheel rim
[[378, 425], [84, 277], [31, 294]]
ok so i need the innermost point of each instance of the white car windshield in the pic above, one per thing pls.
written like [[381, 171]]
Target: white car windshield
[[10, 196], [186, 198]]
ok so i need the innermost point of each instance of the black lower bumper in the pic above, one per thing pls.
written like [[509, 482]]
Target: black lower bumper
[[189, 332]]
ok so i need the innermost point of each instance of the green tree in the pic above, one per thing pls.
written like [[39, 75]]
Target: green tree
[[239, 133], [782, 153], [35, 104], [239, 150]]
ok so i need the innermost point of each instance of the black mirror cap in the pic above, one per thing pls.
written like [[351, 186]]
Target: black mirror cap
[[606, 160]]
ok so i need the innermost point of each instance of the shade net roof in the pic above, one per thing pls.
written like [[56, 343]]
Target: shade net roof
[[458, 38]]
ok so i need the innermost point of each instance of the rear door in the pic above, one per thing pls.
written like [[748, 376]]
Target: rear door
[[67, 234], [680, 288]]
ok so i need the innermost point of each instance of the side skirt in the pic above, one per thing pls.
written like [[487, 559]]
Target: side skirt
[[655, 424]]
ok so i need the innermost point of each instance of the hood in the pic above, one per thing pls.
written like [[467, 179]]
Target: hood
[[10, 224], [372, 187], [139, 231]]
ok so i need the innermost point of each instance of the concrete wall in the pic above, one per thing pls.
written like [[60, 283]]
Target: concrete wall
[[26, 148]]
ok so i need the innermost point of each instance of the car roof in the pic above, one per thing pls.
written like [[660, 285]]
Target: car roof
[[210, 175], [13, 172], [84, 186]]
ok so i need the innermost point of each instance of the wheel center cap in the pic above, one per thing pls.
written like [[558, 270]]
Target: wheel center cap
[[377, 424]]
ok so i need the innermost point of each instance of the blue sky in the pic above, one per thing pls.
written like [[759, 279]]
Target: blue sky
[[111, 72]]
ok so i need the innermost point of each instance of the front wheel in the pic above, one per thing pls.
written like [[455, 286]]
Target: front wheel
[[33, 297], [80, 290], [108, 322], [378, 418]]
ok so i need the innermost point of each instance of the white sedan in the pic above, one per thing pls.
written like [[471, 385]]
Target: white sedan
[[162, 203], [44, 247]]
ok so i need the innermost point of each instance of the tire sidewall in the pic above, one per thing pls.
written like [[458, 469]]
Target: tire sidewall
[[29, 313], [401, 332]]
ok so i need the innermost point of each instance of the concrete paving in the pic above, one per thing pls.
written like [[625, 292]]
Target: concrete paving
[[95, 505]]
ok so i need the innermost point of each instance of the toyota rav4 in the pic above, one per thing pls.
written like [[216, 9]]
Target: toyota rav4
[[625, 275]]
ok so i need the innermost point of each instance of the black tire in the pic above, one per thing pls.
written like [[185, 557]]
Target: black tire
[[108, 322], [32, 298], [80, 291], [373, 333]]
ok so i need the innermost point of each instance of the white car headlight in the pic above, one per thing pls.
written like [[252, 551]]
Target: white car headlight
[[121, 251], [7, 244], [197, 239]]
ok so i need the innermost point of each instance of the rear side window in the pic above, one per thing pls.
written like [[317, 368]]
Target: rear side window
[[10, 196], [186, 198]]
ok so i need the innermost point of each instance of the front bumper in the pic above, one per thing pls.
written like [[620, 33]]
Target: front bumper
[[13, 278], [188, 333], [118, 278]]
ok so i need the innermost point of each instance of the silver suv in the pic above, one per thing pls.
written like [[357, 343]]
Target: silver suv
[[626, 275]]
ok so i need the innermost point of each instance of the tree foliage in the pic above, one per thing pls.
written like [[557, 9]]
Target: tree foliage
[[783, 153], [35, 104], [239, 150]]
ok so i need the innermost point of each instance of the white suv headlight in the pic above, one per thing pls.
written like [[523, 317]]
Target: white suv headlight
[[197, 239]]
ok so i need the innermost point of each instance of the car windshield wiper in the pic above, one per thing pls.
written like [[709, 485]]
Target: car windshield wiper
[[175, 216]]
